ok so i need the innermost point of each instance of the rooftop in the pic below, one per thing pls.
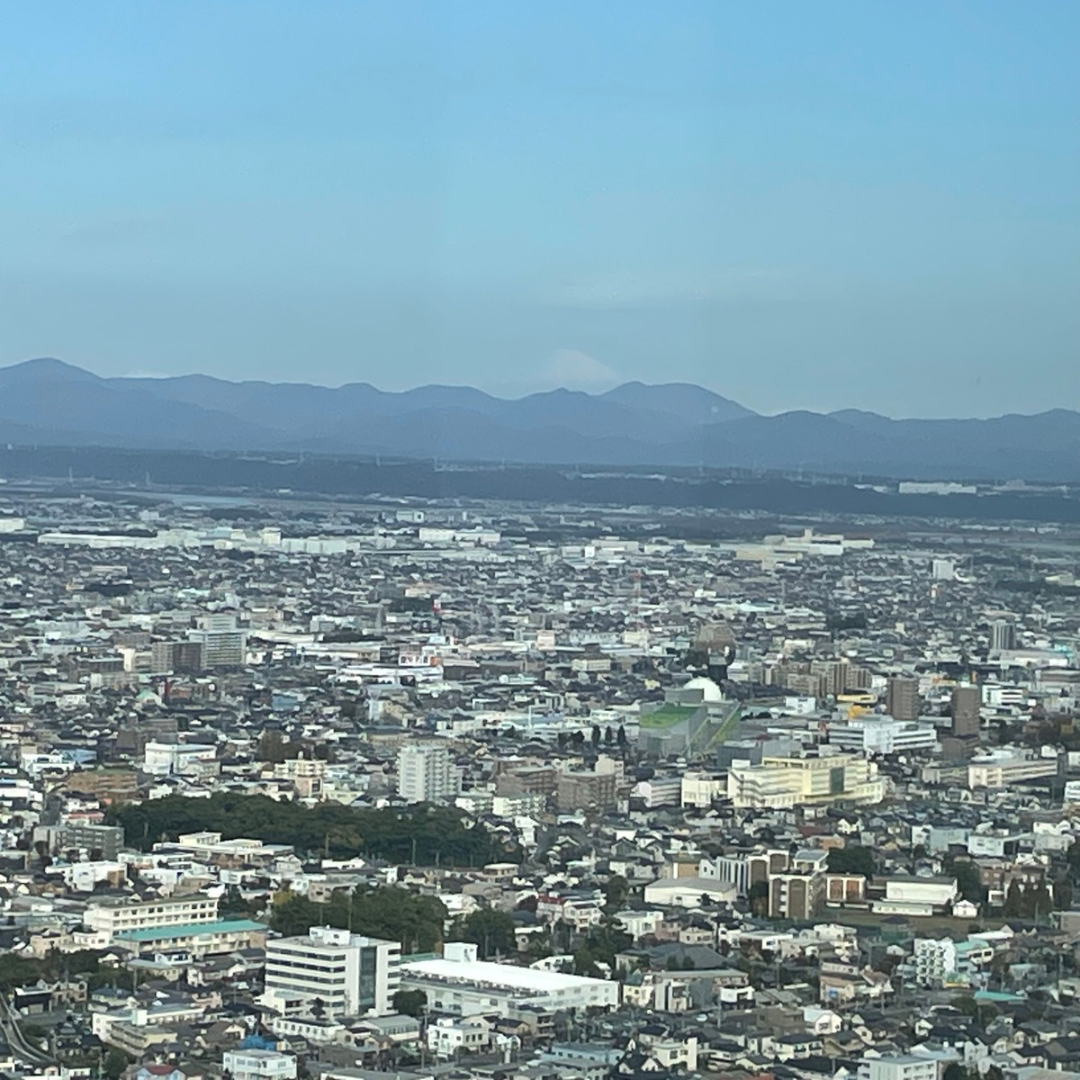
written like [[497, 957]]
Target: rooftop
[[164, 933]]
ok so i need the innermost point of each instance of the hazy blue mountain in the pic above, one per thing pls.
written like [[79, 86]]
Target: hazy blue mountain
[[50, 402], [693, 404]]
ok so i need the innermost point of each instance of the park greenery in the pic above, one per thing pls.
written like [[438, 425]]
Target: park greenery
[[391, 913]]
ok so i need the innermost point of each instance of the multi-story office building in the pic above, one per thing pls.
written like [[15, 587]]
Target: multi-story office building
[[882, 735], [965, 711], [180, 657], [998, 770], [331, 970], [781, 782], [427, 773], [902, 698]]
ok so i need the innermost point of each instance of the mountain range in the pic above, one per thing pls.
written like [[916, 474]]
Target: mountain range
[[49, 402]]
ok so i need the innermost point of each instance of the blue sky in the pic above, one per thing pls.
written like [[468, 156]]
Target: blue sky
[[799, 205]]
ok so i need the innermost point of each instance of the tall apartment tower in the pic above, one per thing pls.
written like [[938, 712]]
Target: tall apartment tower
[[1002, 636], [965, 711], [427, 773], [348, 974], [902, 698], [223, 643]]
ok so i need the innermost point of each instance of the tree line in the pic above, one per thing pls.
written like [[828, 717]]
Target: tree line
[[423, 834]]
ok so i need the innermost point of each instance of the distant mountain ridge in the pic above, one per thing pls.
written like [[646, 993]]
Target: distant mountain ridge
[[49, 402]]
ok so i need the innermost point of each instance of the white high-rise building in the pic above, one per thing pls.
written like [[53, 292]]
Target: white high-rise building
[[223, 643], [427, 773], [333, 972], [935, 960]]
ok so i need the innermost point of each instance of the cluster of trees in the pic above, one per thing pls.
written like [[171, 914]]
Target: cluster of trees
[[853, 859], [492, 931], [968, 879], [391, 913], [600, 945], [422, 835], [1028, 901], [838, 622], [26, 970], [609, 736]]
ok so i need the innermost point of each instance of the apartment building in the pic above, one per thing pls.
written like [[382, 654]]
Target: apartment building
[[259, 1065], [426, 772]]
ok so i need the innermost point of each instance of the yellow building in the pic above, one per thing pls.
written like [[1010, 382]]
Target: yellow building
[[780, 782]]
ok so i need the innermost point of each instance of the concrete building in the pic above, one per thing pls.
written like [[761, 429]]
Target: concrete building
[[426, 772], [348, 974], [259, 1065], [460, 985], [224, 644], [965, 711], [176, 657], [102, 841], [593, 792], [782, 782], [902, 698], [899, 1067], [194, 940], [882, 735], [999, 770], [796, 895], [1002, 636], [935, 960], [114, 917]]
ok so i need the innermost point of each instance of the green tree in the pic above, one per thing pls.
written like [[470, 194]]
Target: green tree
[[396, 914], [490, 930], [854, 859], [1063, 894], [114, 1064], [606, 939], [416, 835], [409, 1002], [1014, 900], [585, 963], [758, 898], [968, 880], [616, 890]]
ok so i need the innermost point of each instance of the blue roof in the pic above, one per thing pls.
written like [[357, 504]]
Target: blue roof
[[221, 926]]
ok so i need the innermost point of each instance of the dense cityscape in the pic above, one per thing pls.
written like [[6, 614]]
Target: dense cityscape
[[497, 791]]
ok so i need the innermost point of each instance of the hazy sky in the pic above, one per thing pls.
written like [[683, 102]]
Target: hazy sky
[[799, 205]]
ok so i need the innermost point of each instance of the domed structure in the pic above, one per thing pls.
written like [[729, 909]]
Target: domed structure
[[710, 692]]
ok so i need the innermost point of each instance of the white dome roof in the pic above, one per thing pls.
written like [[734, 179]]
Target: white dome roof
[[709, 690]]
